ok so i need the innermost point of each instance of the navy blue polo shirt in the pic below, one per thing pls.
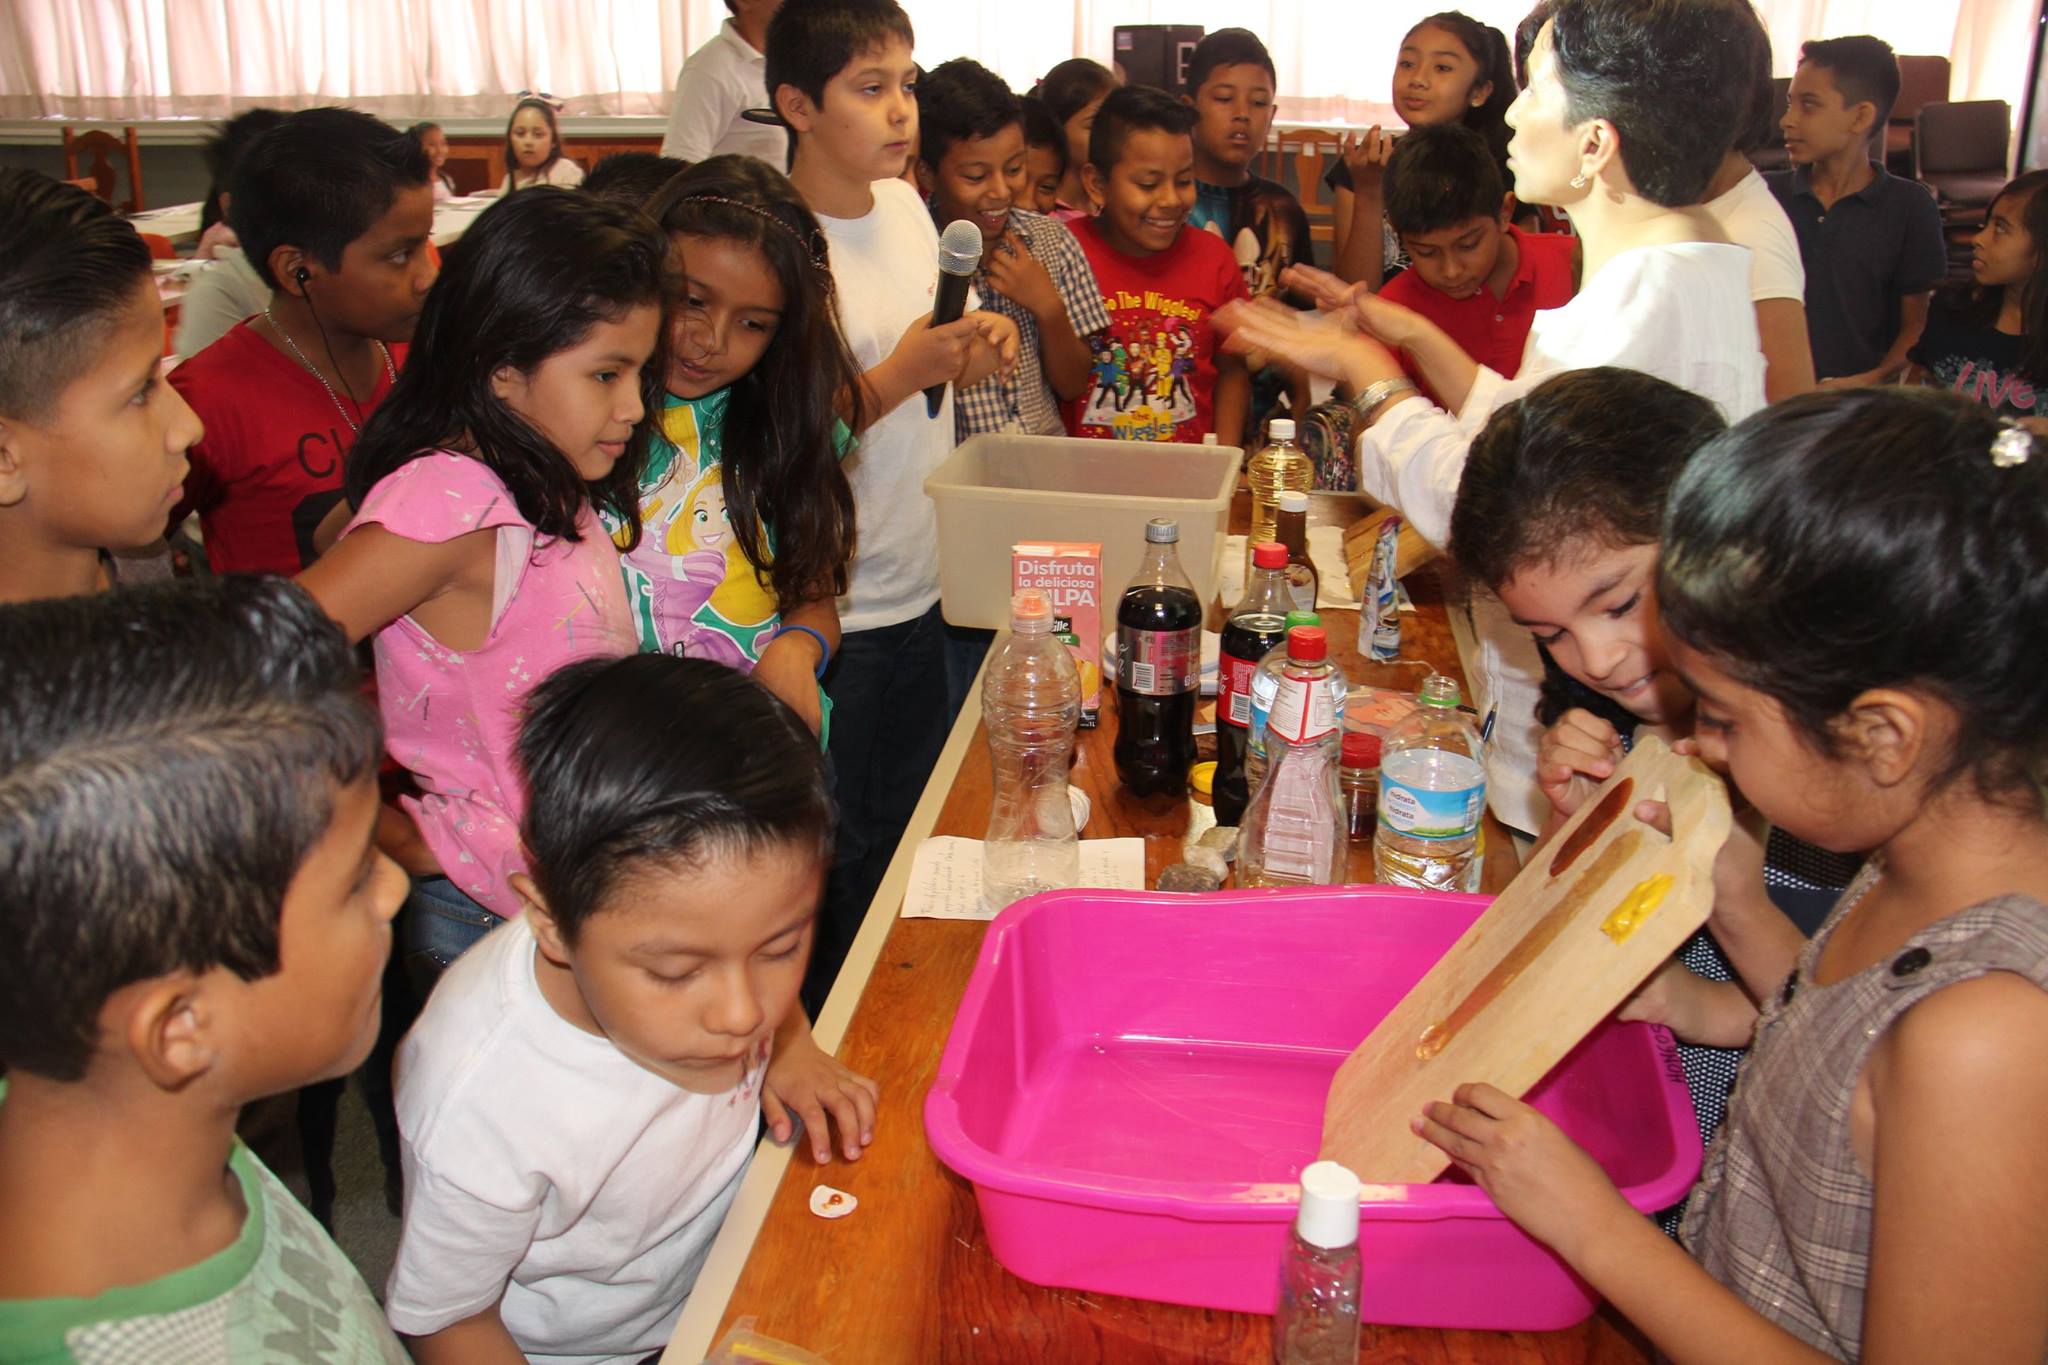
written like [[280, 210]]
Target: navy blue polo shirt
[[1862, 256]]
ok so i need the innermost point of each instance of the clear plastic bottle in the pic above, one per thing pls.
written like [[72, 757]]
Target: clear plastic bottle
[[1293, 830], [1316, 1321], [1031, 705], [1432, 796], [1265, 687], [1277, 466]]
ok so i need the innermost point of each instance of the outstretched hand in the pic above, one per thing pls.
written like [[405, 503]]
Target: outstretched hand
[[1322, 344]]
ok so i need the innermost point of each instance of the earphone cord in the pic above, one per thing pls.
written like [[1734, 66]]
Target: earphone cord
[[306, 293]]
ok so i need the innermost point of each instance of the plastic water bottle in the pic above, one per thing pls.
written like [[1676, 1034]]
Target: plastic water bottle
[[1031, 705], [1432, 797], [1277, 466], [1293, 830], [1316, 1322], [1265, 687]]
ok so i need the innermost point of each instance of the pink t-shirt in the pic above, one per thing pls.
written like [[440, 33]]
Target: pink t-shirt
[[452, 718]]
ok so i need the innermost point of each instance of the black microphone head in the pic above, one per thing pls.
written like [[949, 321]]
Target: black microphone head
[[960, 247]]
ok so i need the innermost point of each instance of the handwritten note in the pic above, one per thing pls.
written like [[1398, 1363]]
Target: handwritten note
[[945, 877]]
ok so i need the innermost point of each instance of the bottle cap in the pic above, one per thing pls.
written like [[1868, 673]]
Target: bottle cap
[[1329, 1206], [1293, 500], [1030, 613], [1308, 644], [1162, 531], [1269, 554], [1202, 777], [1280, 429], [1361, 749], [1303, 618]]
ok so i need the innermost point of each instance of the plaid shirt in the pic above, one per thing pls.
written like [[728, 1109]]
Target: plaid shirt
[[1027, 403]]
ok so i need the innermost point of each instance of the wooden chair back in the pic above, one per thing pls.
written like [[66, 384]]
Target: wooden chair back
[[100, 147]]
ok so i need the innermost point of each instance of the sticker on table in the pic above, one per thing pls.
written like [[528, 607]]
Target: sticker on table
[[827, 1202]]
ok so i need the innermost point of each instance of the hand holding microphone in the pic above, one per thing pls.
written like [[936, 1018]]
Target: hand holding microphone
[[959, 255]]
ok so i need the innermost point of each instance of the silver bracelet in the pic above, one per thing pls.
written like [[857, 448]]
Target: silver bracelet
[[1379, 392]]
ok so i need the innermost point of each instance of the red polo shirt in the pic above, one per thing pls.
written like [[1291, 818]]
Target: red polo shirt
[[1494, 331]]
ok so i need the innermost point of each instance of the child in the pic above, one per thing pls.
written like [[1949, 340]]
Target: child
[[162, 973], [718, 84], [746, 519], [1871, 243], [475, 556], [1045, 157], [1470, 270], [220, 154], [632, 177], [842, 77], [533, 148], [971, 164], [1158, 373], [582, 1094], [92, 442], [1451, 69], [1870, 681], [1073, 92], [230, 289], [335, 210], [1990, 343], [1232, 77], [434, 142]]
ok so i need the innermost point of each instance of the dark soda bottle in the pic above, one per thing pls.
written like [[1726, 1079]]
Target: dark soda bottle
[[1256, 625], [1158, 669]]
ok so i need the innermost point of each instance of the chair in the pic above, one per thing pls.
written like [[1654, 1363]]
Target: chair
[[1922, 81], [1962, 150], [100, 146], [160, 246]]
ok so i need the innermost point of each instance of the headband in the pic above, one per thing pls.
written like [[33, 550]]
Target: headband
[[814, 247]]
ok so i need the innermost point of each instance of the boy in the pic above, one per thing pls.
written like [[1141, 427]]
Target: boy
[[334, 210], [972, 164], [841, 76], [1045, 156], [92, 442], [1470, 270], [228, 291], [1871, 243], [718, 84], [163, 972], [585, 1087], [1157, 374], [632, 177]]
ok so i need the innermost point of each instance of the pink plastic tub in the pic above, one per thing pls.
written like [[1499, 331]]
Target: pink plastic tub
[[1135, 1080]]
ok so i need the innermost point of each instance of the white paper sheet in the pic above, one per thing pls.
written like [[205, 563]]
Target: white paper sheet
[[945, 876]]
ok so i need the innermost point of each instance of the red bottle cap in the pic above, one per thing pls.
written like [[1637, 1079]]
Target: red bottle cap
[[1307, 643], [1269, 554], [1361, 749]]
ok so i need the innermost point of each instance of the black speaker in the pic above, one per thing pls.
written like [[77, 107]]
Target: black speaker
[[1156, 54]]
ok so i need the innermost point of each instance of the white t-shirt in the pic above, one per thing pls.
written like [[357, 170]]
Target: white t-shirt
[[718, 81], [1680, 312], [885, 271], [564, 173], [1751, 216], [543, 1166]]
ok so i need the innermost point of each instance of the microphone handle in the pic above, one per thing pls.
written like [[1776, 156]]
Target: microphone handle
[[947, 305]]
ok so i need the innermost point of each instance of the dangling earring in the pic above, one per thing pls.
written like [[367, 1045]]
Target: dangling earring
[[1579, 181]]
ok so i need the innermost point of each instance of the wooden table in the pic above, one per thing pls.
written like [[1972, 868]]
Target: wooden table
[[908, 1277]]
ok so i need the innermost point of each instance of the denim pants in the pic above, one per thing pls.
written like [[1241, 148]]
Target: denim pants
[[436, 925]]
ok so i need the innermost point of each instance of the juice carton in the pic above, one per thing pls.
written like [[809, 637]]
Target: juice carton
[[1070, 575]]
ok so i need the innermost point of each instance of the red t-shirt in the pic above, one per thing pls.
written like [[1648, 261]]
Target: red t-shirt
[[1493, 331], [269, 466], [1153, 373]]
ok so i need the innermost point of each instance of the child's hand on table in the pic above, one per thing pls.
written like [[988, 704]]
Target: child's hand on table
[[804, 1080]]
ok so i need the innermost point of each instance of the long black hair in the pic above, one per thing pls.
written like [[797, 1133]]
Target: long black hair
[[781, 461], [529, 280], [1073, 85], [1980, 303], [1863, 538], [1488, 47]]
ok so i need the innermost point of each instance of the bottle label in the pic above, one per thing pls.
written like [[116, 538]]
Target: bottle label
[[1159, 663], [1303, 710], [1234, 690], [1419, 813]]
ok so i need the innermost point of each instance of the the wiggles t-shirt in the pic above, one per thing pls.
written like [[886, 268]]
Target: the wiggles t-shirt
[[1153, 376]]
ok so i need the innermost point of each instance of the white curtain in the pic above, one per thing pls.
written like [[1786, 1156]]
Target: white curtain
[[147, 59]]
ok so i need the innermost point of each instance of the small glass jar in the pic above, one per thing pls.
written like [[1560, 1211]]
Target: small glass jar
[[1358, 780]]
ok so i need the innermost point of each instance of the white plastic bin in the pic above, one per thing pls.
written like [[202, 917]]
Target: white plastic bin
[[996, 490]]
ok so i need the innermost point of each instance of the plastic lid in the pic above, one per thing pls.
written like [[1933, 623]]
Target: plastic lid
[[1030, 613], [1280, 429], [1308, 643], [1293, 500], [1329, 1206], [1361, 749], [1162, 531], [1269, 554], [1303, 618], [1202, 777]]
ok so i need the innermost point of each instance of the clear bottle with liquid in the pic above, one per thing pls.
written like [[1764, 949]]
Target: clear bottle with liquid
[[1257, 626], [1317, 1319], [1304, 581], [1031, 705], [1275, 468], [1432, 796], [1293, 830], [1266, 686]]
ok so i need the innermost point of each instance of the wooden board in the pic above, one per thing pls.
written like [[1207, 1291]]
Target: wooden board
[[1554, 955], [1411, 551]]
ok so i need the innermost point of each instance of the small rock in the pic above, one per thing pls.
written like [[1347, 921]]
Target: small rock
[[1211, 860], [1189, 877], [1222, 838]]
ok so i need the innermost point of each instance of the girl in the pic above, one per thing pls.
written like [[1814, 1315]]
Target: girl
[[741, 559], [533, 148], [1451, 68], [1990, 342], [1870, 680], [1072, 92], [475, 556], [1558, 518], [434, 143]]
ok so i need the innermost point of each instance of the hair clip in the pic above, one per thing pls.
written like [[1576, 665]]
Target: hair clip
[[543, 96], [814, 247], [2013, 444]]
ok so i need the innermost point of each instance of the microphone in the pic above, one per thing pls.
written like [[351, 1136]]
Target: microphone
[[959, 255]]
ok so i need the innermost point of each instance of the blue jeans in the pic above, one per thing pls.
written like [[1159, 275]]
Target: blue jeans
[[436, 925]]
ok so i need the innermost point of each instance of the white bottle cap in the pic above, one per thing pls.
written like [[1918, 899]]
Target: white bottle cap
[[1293, 500], [1329, 1206], [1280, 429]]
